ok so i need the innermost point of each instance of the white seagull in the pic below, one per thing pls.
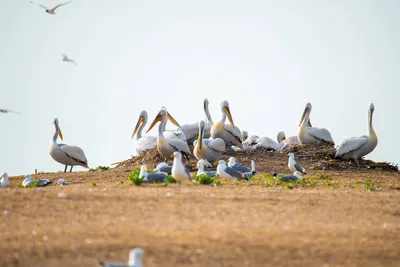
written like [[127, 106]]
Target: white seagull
[[4, 180], [67, 59], [288, 178], [226, 172], [38, 183], [200, 168], [179, 171], [293, 165], [355, 148], [163, 167], [135, 259], [151, 177], [62, 182], [52, 10], [233, 164]]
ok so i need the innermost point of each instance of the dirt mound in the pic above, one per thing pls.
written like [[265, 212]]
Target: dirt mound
[[312, 157]]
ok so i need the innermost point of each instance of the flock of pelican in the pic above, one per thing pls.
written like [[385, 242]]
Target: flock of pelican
[[210, 139]]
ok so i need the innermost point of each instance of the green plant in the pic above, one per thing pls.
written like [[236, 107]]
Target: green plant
[[94, 183], [290, 186], [171, 179], [369, 186], [325, 177], [217, 182], [165, 184], [204, 179], [101, 168], [134, 177], [32, 185], [122, 181]]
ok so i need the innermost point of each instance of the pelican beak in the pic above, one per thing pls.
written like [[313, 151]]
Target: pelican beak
[[282, 139], [228, 113], [171, 119], [200, 136], [60, 134], [139, 122], [306, 110], [156, 119]]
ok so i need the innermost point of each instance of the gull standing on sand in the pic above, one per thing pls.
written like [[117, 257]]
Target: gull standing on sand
[[226, 172], [151, 177], [4, 180], [293, 165], [179, 171], [65, 154], [135, 259], [355, 148], [52, 10], [66, 59], [38, 183], [288, 178], [312, 135], [241, 168]]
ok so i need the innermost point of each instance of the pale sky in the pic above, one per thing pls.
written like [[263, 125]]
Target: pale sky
[[267, 58]]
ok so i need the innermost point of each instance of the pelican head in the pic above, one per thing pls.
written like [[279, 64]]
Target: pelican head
[[141, 121], [58, 128], [281, 136], [201, 134], [307, 110], [135, 257], [162, 115], [225, 109]]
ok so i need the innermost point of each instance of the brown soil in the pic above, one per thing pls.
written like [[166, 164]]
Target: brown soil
[[335, 222]]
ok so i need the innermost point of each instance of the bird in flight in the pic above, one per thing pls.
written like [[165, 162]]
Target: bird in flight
[[9, 111], [52, 10], [66, 59]]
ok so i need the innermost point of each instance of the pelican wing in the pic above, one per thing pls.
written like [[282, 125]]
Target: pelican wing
[[321, 134], [351, 144], [190, 130], [268, 143], [234, 131], [179, 145], [146, 142], [74, 152], [217, 144], [172, 134]]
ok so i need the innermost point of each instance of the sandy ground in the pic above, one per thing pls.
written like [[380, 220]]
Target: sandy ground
[[334, 222]]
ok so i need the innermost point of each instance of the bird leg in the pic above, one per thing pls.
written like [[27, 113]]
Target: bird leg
[[356, 162], [65, 170], [70, 170]]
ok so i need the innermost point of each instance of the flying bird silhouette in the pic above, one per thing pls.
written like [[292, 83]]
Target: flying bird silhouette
[[67, 59], [9, 111], [52, 10]]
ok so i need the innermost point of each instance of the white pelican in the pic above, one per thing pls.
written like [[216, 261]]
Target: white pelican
[[288, 178], [67, 59], [2, 110], [135, 259], [52, 10], [249, 140], [200, 168], [4, 180], [167, 146], [143, 143], [179, 171], [191, 130], [65, 154], [206, 148], [151, 177], [312, 135], [286, 142], [226, 172], [268, 143], [294, 166], [229, 133], [355, 148], [28, 182]]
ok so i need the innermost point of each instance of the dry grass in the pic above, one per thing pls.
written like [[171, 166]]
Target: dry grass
[[329, 218]]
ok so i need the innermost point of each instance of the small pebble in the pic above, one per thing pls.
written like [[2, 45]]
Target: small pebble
[[169, 194], [88, 241], [33, 232], [45, 238], [5, 212], [61, 194]]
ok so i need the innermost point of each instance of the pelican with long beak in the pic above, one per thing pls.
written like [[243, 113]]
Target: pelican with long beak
[[206, 148], [228, 132], [167, 146], [65, 154], [357, 147], [312, 135], [143, 143], [191, 130]]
